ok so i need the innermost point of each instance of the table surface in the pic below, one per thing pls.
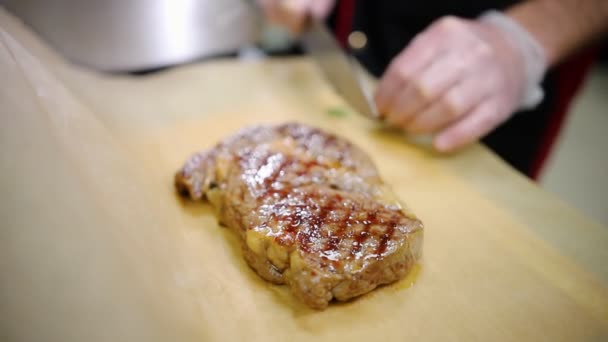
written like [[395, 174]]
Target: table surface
[[112, 253]]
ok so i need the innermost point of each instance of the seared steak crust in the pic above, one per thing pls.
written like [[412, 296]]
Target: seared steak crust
[[310, 208]]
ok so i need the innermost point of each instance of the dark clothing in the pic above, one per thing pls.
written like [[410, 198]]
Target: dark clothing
[[390, 25]]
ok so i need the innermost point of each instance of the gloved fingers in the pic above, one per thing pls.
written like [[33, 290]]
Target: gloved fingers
[[405, 67], [455, 103], [427, 88], [320, 9], [290, 14], [387, 90], [398, 114], [481, 120], [293, 14]]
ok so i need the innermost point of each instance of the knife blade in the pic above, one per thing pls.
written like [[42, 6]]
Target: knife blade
[[338, 68]]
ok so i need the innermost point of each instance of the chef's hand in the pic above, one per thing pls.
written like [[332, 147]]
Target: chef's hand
[[459, 79], [293, 13]]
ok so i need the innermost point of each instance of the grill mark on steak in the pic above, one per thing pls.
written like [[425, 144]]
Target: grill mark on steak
[[385, 238], [310, 196]]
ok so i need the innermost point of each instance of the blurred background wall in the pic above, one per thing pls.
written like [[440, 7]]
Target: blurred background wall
[[577, 170]]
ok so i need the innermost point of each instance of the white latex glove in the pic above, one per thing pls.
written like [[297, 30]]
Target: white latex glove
[[459, 79], [292, 14]]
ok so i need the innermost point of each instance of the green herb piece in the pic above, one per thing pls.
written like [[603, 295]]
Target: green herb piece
[[337, 112]]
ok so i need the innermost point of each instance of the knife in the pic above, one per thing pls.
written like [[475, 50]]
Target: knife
[[338, 68]]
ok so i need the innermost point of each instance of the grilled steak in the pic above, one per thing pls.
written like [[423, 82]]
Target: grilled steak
[[310, 209]]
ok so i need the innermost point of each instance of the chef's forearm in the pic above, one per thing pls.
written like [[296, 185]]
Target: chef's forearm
[[562, 26]]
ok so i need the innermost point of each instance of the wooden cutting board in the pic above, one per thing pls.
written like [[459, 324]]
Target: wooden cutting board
[[96, 246]]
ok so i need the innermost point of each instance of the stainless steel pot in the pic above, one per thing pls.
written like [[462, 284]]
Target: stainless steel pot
[[127, 35]]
